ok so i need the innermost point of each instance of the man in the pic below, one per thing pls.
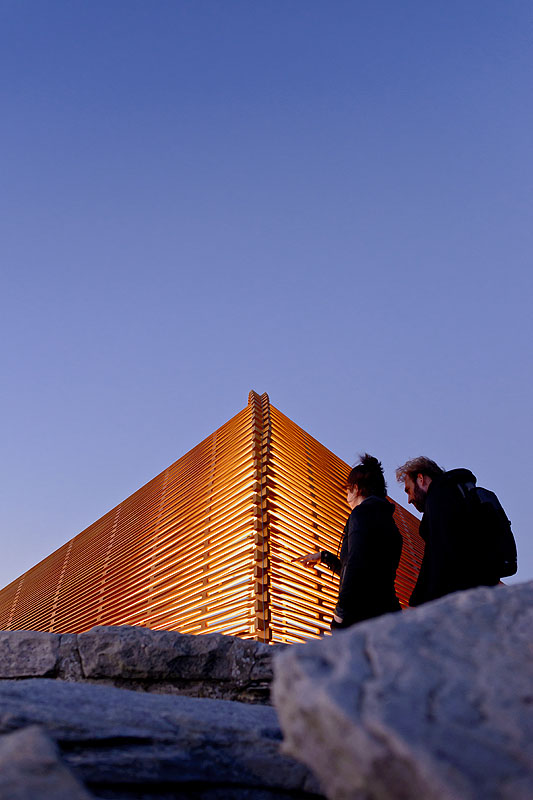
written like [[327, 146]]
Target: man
[[456, 556]]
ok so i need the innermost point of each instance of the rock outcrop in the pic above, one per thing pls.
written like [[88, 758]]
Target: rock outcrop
[[164, 662], [434, 703], [123, 744], [71, 727]]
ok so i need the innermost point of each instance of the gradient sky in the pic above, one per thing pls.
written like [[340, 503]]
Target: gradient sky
[[327, 201]]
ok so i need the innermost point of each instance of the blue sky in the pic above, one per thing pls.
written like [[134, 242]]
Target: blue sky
[[327, 201]]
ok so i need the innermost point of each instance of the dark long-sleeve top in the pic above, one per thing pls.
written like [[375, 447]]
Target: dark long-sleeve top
[[455, 556], [367, 563]]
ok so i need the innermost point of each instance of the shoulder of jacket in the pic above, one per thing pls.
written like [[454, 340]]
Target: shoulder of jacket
[[373, 505]]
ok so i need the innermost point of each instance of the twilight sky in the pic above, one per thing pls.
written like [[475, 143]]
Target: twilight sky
[[330, 201]]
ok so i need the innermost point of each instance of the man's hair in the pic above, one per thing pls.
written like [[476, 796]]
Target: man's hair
[[368, 477], [418, 466]]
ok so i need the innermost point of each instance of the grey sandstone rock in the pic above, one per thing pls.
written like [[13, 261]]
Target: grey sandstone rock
[[69, 664], [214, 665], [30, 768], [124, 744], [164, 662], [28, 654], [434, 704]]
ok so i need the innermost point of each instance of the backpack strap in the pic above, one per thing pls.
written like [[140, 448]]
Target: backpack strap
[[466, 487]]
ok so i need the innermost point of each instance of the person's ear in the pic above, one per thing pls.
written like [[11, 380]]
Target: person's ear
[[423, 481]]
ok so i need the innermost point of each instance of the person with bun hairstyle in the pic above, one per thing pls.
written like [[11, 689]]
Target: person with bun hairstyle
[[370, 550]]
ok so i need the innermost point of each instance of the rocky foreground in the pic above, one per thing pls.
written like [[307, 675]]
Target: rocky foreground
[[432, 704], [69, 731]]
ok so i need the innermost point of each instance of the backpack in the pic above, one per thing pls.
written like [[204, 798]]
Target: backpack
[[494, 527]]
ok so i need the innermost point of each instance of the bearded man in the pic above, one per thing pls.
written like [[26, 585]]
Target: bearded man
[[455, 554]]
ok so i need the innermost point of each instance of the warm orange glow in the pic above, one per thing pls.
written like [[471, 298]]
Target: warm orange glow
[[209, 544]]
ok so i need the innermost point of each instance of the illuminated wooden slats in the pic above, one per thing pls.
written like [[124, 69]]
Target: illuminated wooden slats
[[35, 602], [286, 461], [219, 522], [298, 523], [283, 494], [187, 501], [194, 584], [307, 511], [8, 600], [114, 571], [209, 544], [161, 575]]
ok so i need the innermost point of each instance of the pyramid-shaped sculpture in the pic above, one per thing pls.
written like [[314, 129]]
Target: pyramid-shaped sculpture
[[209, 544]]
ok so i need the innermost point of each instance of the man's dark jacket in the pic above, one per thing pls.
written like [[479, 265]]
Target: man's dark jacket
[[455, 557], [369, 557]]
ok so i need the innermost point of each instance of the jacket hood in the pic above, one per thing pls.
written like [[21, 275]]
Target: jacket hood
[[460, 476]]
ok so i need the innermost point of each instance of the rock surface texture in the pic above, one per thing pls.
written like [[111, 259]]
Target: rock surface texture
[[435, 703], [71, 726], [168, 662], [124, 744]]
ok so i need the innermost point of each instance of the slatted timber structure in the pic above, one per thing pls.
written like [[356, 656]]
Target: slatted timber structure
[[209, 544]]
